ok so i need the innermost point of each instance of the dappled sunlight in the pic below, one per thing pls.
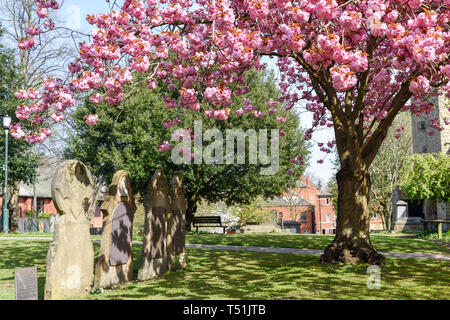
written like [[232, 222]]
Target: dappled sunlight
[[383, 243], [220, 274]]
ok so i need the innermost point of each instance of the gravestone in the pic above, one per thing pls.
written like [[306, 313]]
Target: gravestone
[[25, 283], [52, 224], [115, 262], [70, 257], [21, 225], [34, 225], [153, 261], [176, 226], [27, 225], [47, 225]]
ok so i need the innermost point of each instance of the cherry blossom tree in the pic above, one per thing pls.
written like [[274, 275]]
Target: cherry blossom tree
[[357, 64]]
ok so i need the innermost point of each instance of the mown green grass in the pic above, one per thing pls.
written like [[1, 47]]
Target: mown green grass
[[214, 274], [383, 242]]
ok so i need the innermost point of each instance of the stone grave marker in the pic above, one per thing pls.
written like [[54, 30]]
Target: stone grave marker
[[176, 231], [70, 257], [21, 225], [34, 225], [115, 262], [47, 225], [52, 224], [25, 283], [153, 261]]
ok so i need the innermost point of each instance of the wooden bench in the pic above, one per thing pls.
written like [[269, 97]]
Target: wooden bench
[[210, 221], [438, 222]]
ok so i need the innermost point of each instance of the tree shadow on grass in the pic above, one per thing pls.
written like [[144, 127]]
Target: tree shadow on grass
[[216, 274], [21, 254], [382, 243], [227, 275]]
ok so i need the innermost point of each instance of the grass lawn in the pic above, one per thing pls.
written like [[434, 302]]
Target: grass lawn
[[214, 274], [382, 242]]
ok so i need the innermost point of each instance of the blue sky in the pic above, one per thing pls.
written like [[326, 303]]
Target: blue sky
[[76, 11]]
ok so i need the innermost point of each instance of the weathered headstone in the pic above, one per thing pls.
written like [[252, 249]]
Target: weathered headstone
[[34, 225], [115, 262], [21, 225], [27, 225], [70, 257], [47, 225], [153, 261], [176, 226], [52, 224], [25, 283]]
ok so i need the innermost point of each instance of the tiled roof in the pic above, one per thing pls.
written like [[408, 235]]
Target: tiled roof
[[43, 183], [45, 173], [287, 202]]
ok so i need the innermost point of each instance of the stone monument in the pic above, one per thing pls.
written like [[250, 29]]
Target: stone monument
[[153, 260], [176, 225], [25, 283], [70, 257], [114, 264]]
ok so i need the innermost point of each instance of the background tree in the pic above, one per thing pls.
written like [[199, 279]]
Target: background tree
[[55, 46], [385, 172], [50, 58], [357, 63], [22, 163], [128, 138], [427, 176], [251, 213]]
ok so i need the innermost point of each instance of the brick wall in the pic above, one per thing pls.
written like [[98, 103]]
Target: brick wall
[[320, 218]]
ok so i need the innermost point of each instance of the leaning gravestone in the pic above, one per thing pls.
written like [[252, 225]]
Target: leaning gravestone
[[176, 226], [70, 267], [115, 262], [153, 260], [25, 283]]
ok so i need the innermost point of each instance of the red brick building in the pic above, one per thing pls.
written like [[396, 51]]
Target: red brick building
[[305, 204], [311, 207]]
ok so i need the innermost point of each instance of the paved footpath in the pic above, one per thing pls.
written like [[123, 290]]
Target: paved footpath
[[426, 256]]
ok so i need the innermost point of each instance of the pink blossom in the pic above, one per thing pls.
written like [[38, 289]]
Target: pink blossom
[[96, 98], [166, 146], [16, 131], [91, 119], [42, 12], [75, 67], [26, 44], [257, 114], [32, 31], [343, 78], [57, 117], [420, 86], [21, 94]]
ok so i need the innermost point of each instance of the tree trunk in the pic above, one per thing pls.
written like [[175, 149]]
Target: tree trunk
[[191, 209], [13, 207], [352, 242]]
